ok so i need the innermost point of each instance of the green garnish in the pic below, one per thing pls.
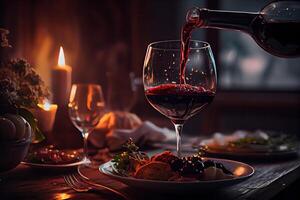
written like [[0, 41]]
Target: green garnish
[[274, 142], [249, 140], [125, 162]]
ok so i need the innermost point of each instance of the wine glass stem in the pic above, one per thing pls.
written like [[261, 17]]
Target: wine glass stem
[[178, 129], [85, 144]]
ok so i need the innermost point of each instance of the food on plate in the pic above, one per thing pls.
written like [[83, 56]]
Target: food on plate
[[166, 156], [166, 166], [246, 141], [154, 170], [119, 120], [127, 162], [51, 155]]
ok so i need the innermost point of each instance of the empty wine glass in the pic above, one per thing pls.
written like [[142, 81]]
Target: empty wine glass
[[86, 107], [165, 91]]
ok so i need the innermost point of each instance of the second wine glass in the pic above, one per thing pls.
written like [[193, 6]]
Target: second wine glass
[[86, 107], [163, 86]]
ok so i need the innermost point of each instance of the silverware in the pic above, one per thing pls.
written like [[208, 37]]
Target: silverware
[[80, 185]]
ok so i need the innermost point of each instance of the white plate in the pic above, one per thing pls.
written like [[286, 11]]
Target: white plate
[[218, 149], [241, 170], [251, 155], [53, 166]]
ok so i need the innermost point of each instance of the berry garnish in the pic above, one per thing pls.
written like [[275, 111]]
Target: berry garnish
[[176, 164], [209, 163]]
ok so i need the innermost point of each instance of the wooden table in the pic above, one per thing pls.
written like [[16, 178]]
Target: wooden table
[[267, 182]]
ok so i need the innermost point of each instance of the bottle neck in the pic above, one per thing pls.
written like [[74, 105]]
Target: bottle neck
[[227, 19]]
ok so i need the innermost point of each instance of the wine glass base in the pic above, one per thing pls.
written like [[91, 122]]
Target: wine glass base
[[90, 163]]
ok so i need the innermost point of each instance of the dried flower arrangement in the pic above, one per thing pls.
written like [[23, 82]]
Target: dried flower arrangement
[[21, 88]]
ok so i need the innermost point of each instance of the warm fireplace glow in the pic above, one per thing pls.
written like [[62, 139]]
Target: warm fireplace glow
[[61, 57]]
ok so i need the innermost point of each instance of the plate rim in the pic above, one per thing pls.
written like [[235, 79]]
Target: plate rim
[[110, 174], [41, 165], [252, 154]]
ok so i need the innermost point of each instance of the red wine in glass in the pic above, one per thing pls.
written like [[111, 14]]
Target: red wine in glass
[[169, 90], [179, 101]]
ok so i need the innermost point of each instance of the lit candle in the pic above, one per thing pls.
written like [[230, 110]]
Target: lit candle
[[61, 80], [45, 115]]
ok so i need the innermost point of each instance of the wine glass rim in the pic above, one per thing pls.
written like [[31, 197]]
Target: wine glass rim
[[207, 45]]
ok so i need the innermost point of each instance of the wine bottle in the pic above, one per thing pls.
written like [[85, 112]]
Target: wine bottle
[[276, 28]]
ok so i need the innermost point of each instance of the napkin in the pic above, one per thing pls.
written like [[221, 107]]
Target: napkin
[[146, 133]]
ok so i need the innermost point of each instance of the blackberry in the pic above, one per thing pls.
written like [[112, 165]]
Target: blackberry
[[209, 163], [199, 166], [194, 158], [192, 166], [219, 165], [176, 164], [187, 168]]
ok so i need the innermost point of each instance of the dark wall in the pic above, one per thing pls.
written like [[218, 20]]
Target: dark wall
[[106, 40], [103, 40]]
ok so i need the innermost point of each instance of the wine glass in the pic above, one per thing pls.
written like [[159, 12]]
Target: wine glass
[[86, 107], [162, 85]]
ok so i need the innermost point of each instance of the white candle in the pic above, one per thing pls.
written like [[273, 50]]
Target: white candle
[[61, 80], [45, 115]]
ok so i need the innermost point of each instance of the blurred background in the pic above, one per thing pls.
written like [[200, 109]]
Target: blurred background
[[105, 42]]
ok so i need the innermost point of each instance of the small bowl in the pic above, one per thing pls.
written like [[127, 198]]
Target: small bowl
[[12, 153]]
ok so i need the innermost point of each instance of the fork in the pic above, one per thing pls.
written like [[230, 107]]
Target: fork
[[79, 185]]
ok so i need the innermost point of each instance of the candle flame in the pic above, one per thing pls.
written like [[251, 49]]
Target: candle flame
[[61, 57], [46, 105]]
